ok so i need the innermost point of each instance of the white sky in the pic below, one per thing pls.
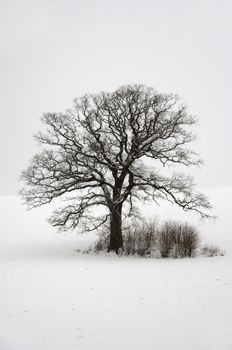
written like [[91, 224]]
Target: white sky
[[54, 50]]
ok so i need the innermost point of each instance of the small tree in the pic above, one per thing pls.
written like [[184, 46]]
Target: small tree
[[98, 153]]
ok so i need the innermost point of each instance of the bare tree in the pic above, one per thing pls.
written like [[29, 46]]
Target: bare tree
[[98, 153]]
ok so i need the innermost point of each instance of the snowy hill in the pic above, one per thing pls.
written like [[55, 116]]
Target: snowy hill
[[54, 299]]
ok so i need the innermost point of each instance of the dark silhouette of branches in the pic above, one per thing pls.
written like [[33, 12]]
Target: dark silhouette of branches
[[107, 150]]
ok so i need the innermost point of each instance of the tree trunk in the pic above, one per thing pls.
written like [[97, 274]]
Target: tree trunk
[[116, 241]]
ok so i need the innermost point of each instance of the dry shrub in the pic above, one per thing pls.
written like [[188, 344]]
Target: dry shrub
[[178, 240], [102, 243], [146, 238], [211, 250], [140, 239]]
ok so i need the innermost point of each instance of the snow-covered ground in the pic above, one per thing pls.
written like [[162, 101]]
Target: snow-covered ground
[[51, 298]]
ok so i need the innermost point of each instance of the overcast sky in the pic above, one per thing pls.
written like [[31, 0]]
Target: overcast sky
[[54, 50]]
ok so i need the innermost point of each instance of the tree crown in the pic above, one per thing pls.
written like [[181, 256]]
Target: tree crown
[[100, 149]]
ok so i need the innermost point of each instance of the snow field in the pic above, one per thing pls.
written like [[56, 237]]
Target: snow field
[[52, 298]]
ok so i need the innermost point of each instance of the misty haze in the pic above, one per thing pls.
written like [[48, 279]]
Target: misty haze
[[116, 175]]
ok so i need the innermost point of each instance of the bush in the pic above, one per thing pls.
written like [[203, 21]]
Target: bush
[[211, 250], [140, 239], [148, 238], [102, 243], [178, 240]]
